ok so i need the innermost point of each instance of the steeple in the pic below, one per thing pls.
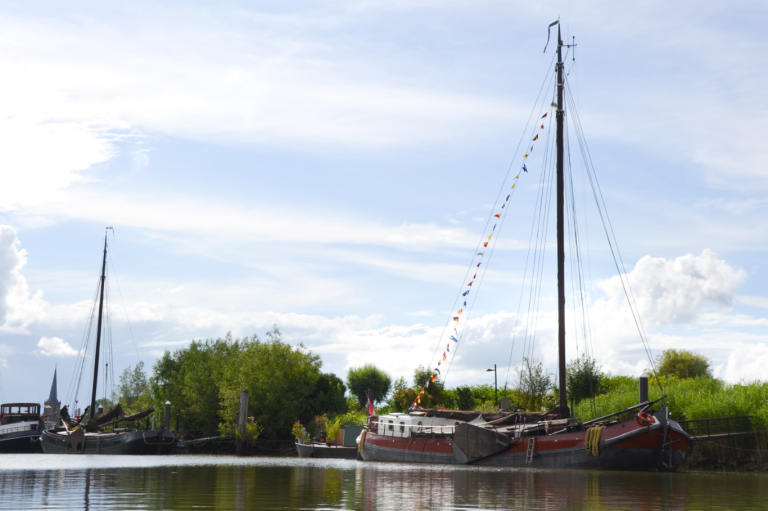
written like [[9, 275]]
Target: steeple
[[52, 398]]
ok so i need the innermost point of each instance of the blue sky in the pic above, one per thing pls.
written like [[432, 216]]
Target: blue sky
[[329, 166]]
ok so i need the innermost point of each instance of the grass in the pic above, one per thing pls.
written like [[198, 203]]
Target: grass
[[690, 398]]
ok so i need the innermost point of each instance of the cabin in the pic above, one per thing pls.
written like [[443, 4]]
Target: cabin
[[19, 412], [407, 425]]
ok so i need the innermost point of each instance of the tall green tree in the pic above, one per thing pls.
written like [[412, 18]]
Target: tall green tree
[[683, 364], [582, 378], [360, 379], [285, 384], [133, 387], [534, 381]]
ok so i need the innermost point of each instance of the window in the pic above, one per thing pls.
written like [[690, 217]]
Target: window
[[418, 428], [391, 427], [402, 427]]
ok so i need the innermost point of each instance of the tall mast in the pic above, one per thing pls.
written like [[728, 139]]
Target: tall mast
[[98, 332], [560, 227]]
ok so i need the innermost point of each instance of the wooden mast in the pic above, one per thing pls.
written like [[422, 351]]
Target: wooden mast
[[98, 332], [560, 228]]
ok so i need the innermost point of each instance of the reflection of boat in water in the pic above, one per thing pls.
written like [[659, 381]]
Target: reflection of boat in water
[[95, 437], [641, 437], [324, 450], [20, 428]]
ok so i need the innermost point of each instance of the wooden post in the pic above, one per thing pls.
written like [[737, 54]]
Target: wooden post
[[242, 420]]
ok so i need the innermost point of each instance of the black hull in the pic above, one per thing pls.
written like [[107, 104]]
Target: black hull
[[21, 442], [325, 451], [126, 442]]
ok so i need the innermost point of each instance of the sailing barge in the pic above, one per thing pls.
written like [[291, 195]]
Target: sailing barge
[[74, 437], [642, 437]]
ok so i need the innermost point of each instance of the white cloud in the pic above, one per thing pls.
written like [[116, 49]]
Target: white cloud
[[17, 307], [677, 290], [55, 347], [747, 362]]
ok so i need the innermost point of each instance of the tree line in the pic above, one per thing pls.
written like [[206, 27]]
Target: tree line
[[286, 384]]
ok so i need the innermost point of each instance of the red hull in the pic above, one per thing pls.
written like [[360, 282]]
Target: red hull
[[623, 446]]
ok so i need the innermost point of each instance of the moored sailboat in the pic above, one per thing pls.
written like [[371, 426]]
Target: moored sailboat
[[93, 437], [641, 437]]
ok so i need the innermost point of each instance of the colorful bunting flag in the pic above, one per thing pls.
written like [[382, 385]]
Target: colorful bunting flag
[[465, 293], [465, 304], [510, 195], [455, 318], [497, 215], [513, 185], [494, 227], [502, 206], [478, 264], [489, 237], [444, 356], [554, 104], [526, 156], [454, 339], [485, 244], [460, 311], [543, 116], [433, 376], [480, 254], [542, 126], [418, 398], [525, 169], [469, 284], [536, 137]]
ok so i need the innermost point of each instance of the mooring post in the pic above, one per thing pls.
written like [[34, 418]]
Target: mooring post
[[643, 388], [167, 418], [242, 420]]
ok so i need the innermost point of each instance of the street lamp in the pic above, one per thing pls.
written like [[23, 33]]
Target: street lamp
[[495, 383]]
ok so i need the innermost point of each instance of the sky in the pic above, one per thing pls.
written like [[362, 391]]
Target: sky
[[329, 167]]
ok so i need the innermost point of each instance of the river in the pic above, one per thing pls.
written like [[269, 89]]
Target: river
[[225, 482]]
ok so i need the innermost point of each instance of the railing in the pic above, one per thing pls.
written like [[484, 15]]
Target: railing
[[718, 427], [32, 427]]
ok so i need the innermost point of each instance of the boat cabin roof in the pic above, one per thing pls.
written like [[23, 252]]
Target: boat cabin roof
[[19, 409]]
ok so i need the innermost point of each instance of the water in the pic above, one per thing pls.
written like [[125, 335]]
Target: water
[[223, 482]]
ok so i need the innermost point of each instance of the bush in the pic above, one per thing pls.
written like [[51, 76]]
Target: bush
[[583, 378], [683, 364], [360, 379]]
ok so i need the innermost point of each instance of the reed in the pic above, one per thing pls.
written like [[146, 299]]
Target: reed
[[687, 398]]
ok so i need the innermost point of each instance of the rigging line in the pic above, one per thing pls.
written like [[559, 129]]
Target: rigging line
[[541, 223], [541, 251], [608, 228], [501, 224], [74, 388], [490, 215], [130, 329]]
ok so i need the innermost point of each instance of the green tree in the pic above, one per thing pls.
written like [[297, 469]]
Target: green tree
[[360, 379], [534, 381], [582, 378], [433, 394], [133, 386], [683, 364], [464, 399], [285, 384]]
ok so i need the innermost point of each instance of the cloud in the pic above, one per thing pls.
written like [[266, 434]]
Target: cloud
[[55, 347], [17, 307], [676, 291], [747, 362]]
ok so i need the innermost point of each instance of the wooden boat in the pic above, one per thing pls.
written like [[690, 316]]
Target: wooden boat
[[642, 437], [20, 428], [324, 450], [74, 437]]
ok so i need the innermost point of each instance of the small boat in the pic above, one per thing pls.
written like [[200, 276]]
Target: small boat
[[641, 437], [324, 450], [20, 428], [93, 437]]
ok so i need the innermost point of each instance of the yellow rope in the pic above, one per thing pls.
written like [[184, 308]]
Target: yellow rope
[[362, 441], [592, 440]]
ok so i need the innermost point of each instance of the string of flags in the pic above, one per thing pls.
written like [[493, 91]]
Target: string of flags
[[455, 338]]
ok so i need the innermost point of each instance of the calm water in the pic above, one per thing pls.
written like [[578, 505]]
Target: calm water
[[222, 482]]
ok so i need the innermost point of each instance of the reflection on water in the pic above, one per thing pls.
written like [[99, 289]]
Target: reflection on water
[[212, 482]]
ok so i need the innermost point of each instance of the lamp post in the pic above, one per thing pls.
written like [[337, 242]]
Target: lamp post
[[495, 383]]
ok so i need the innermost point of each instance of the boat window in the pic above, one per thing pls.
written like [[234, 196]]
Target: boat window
[[418, 428], [24, 409], [402, 427], [391, 427], [455, 425]]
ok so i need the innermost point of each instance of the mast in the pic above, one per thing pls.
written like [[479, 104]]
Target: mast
[[560, 227], [98, 332]]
